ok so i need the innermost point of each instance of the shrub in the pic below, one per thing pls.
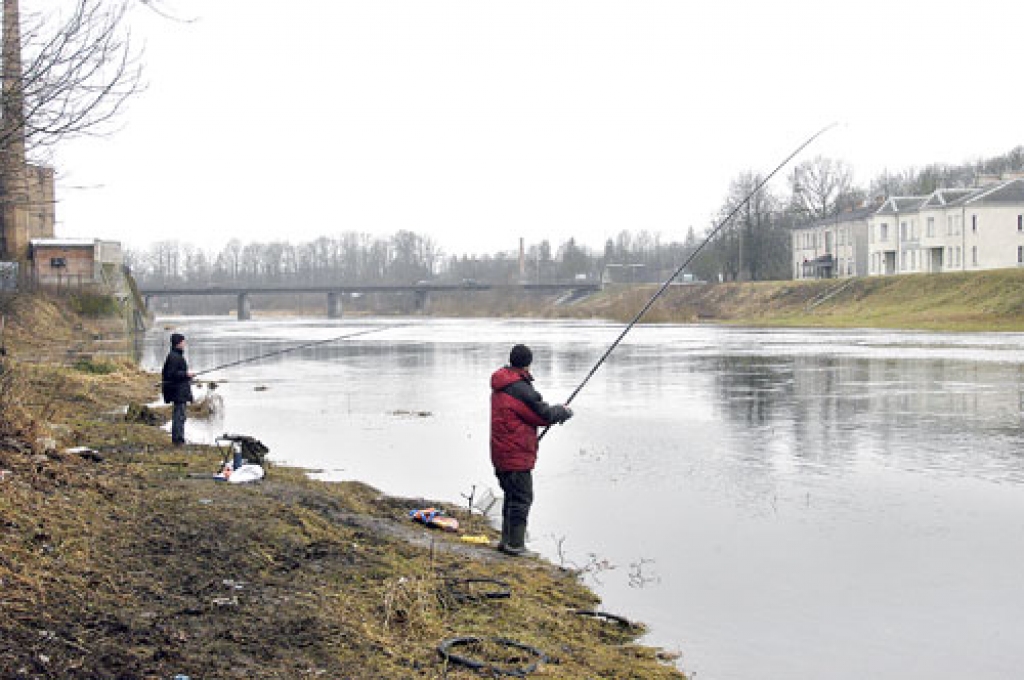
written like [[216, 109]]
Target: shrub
[[95, 367], [93, 304]]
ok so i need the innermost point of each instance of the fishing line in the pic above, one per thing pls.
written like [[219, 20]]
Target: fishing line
[[687, 262], [286, 350]]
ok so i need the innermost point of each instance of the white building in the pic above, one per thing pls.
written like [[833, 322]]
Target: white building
[[834, 247], [949, 230]]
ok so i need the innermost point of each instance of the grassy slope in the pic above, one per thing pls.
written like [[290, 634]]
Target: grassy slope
[[133, 567], [982, 301]]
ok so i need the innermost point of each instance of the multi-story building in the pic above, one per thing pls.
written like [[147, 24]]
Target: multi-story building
[[834, 247], [949, 230]]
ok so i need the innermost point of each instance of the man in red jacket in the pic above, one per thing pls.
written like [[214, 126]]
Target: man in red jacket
[[517, 410]]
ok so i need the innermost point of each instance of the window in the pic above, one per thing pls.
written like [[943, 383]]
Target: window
[[949, 225], [974, 224], [1020, 222], [957, 222], [1020, 254], [974, 255], [903, 231], [930, 229], [883, 232]]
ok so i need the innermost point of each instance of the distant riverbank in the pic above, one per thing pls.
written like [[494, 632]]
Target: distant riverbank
[[960, 301], [974, 301]]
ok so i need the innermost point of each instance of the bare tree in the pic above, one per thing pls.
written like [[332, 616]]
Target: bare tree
[[752, 245], [63, 76], [80, 69], [819, 186]]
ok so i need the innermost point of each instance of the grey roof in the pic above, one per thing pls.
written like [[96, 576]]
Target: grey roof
[[941, 198], [1010, 191], [901, 204], [855, 215]]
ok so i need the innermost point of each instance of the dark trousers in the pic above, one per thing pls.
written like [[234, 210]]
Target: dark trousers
[[515, 508], [178, 422]]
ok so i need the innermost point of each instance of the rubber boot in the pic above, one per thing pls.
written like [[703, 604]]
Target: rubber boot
[[503, 543], [516, 545]]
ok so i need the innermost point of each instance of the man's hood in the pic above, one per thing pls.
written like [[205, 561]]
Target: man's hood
[[504, 377]]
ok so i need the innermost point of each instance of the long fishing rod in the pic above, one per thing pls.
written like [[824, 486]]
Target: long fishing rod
[[686, 263], [291, 349]]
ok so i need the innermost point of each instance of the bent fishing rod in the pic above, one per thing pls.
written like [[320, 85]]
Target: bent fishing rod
[[686, 263], [286, 350]]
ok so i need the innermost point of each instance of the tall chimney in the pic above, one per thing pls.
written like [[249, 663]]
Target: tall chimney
[[13, 182]]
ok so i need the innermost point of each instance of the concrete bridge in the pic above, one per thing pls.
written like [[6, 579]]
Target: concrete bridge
[[335, 293]]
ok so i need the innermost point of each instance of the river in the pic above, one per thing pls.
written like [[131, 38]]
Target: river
[[798, 504]]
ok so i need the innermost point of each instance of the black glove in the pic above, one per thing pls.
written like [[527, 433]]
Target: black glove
[[566, 414]]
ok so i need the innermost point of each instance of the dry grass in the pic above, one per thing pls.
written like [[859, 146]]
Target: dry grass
[[981, 301]]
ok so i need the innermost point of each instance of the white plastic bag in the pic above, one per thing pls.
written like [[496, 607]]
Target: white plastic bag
[[246, 473]]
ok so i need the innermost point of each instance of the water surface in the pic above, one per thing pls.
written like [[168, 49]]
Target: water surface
[[799, 504]]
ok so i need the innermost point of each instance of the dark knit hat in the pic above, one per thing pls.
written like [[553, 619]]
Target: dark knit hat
[[176, 338], [520, 356]]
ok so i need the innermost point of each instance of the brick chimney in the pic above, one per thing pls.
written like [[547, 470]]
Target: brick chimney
[[14, 214]]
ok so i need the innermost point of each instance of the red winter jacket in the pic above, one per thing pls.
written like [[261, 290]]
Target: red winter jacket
[[517, 410]]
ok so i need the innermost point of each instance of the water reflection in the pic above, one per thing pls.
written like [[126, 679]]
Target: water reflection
[[829, 410]]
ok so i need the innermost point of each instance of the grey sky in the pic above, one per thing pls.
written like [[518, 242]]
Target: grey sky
[[477, 122]]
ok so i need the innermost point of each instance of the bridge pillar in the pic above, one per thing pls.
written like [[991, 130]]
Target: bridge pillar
[[334, 305], [244, 307], [421, 301]]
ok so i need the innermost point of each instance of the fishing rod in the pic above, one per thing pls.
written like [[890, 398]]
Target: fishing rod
[[687, 262], [286, 350]]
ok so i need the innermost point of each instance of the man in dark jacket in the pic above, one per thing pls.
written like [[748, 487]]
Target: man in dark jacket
[[177, 386], [517, 410]]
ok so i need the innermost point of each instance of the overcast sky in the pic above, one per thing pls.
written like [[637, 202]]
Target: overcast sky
[[477, 122]]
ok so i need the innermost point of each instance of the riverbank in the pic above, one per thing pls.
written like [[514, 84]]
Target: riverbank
[[128, 560], [961, 301]]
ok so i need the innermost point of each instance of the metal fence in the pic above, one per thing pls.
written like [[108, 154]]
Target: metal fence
[[8, 276]]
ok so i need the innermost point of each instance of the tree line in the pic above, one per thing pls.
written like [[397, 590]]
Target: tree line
[[755, 245], [405, 258]]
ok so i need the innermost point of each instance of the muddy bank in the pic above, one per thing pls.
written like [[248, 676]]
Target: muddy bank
[[129, 561]]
